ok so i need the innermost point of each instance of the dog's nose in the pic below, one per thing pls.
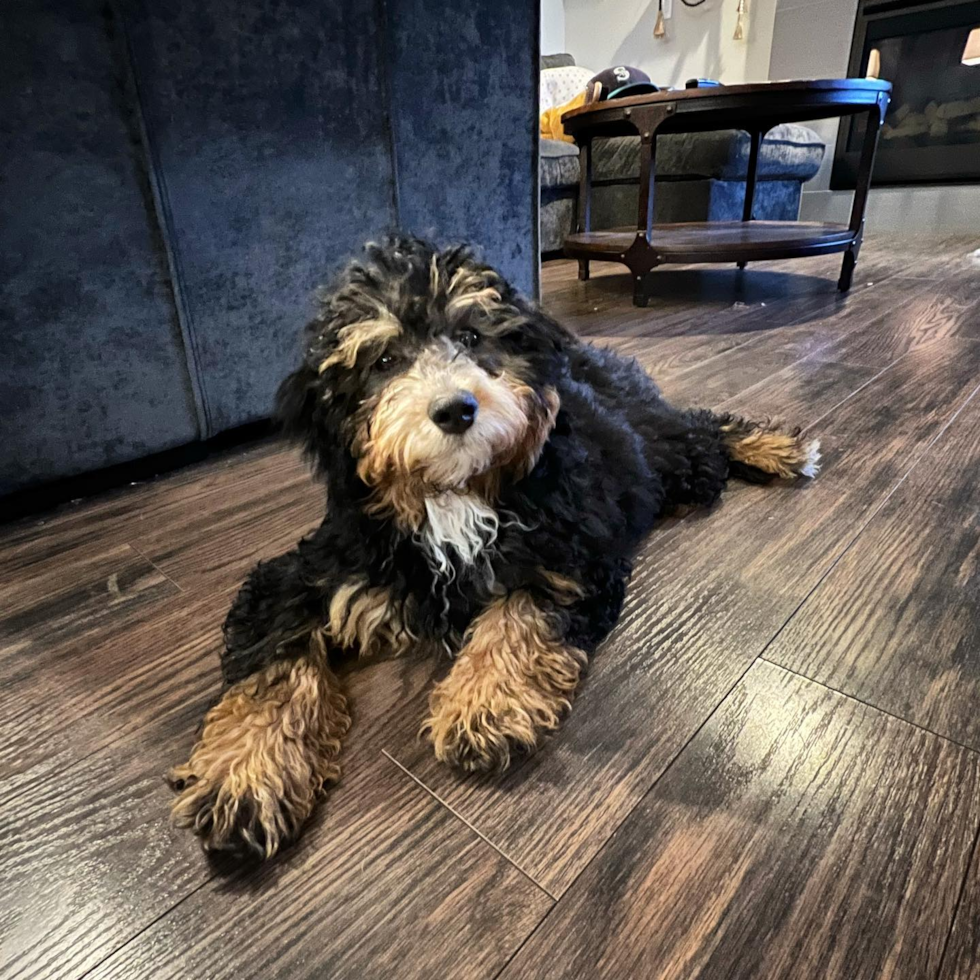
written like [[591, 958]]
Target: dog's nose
[[454, 414]]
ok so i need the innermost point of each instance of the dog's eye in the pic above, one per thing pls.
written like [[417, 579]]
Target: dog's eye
[[385, 362], [467, 338]]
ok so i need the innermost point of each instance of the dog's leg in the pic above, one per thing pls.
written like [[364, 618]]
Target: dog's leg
[[265, 752], [511, 683], [271, 743], [763, 448]]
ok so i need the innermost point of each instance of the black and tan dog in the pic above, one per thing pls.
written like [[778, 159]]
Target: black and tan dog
[[489, 477]]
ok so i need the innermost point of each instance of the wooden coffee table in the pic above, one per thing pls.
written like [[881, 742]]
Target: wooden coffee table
[[753, 108]]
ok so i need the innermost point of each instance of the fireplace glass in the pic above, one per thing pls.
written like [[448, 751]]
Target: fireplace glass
[[931, 131]]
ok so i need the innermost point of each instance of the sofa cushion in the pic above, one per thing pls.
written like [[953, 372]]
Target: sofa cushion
[[789, 152], [557, 219], [556, 61], [615, 205], [559, 164], [561, 85]]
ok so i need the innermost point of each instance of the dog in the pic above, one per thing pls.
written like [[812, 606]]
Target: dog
[[489, 478]]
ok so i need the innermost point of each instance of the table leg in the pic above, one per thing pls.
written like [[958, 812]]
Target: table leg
[[847, 268], [640, 295], [641, 259], [648, 177], [876, 116], [647, 120], [584, 219], [755, 140], [644, 217]]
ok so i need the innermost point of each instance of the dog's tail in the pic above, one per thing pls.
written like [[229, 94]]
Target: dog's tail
[[760, 451]]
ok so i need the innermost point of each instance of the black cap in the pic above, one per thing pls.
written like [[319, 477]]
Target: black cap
[[620, 81]]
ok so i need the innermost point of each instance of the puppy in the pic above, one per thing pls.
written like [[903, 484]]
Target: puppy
[[489, 477]]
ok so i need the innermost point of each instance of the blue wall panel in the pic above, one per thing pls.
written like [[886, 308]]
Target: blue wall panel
[[266, 121], [463, 80], [92, 369]]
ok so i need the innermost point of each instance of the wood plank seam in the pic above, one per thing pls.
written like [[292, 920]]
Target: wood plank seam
[[607, 929], [146, 558], [149, 925], [871, 516], [811, 355], [833, 408], [209, 879], [928, 731], [762, 658], [721, 704], [462, 819], [957, 904], [972, 853], [815, 355], [967, 341], [527, 939]]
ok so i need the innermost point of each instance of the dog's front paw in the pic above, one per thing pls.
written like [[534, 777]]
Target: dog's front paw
[[511, 683], [223, 819], [481, 728], [237, 811], [481, 743], [266, 750]]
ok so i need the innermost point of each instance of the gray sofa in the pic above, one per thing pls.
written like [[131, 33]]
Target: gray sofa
[[700, 177]]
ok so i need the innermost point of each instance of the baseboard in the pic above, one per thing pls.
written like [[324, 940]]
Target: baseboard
[[939, 209], [46, 496]]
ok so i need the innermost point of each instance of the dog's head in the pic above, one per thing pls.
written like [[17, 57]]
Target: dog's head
[[424, 372]]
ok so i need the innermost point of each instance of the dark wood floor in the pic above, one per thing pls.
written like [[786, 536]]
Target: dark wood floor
[[773, 770]]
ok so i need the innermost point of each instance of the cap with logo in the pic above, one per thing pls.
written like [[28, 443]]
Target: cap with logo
[[620, 81]]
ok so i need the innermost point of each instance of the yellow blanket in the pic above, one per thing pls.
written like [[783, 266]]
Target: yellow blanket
[[551, 127]]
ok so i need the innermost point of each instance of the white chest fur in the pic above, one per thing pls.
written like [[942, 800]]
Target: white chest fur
[[462, 522]]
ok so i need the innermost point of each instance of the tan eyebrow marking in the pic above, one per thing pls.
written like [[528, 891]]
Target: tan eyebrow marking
[[355, 336], [469, 287], [434, 275]]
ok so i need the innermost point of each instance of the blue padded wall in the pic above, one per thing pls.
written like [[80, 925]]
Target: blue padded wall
[[92, 368], [463, 79], [266, 123]]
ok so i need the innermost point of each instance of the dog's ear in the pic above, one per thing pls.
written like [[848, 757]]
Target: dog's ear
[[310, 417], [538, 332], [296, 405]]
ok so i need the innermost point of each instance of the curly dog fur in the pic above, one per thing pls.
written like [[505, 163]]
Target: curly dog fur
[[489, 478]]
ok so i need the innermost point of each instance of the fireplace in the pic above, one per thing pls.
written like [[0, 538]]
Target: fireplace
[[931, 132]]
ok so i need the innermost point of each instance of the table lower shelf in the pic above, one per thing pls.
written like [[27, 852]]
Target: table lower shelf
[[712, 241]]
